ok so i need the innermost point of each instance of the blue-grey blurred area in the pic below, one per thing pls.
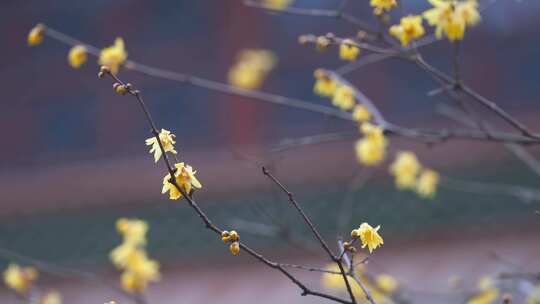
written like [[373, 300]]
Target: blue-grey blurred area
[[73, 158]]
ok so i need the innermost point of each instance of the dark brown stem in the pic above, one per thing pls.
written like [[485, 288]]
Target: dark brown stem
[[313, 229]]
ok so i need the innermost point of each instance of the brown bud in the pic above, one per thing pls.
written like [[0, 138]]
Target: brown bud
[[234, 248], [120, 89], [322, 43], [361, 35], [355, 234], [234, 236], [104, 69]]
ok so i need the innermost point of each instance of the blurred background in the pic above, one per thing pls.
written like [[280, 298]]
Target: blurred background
[[74, 160]]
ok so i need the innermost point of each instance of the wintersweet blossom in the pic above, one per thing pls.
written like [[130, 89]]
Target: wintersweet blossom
[[77, 56], [19, 278], [344, 98], [185, 178], [452, 17], [426, 185], [405, 169], [167, 141], [324, 85], [133, 230], [51, 297], [113, 56], [410, 28], [251, 68], [35, 36], [139, 271], [361, 114], [371, 149], [131, 257], [277, 4], [382, 5], [348, 51], [369, 236]]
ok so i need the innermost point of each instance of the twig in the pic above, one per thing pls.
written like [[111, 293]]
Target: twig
[[313, 229]]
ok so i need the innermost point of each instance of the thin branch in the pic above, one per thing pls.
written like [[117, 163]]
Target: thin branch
[[313, 229], [336, 13]]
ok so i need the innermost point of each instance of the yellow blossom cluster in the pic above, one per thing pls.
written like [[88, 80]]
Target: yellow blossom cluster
[[167, 141], [369, 236], [113, 56], [20, 279], [251, 68], [343, 96], [185, 179], [379, 6], [371, 148], [487, 292], [381, 286], [409, 174], [131, 257], [277, 4], [233, 239], [410, 28], [452, 17]]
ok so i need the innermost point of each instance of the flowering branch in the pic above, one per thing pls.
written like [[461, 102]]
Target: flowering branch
[[126, 88]]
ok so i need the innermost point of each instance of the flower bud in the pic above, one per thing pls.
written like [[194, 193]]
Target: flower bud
[[355, 234], [234, 236], [234, 248]]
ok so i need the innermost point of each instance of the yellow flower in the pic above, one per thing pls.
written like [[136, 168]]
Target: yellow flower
[[452, 17], [426, 186], [370, 236], [251, 68], [369, 153], [139, 273], [77, 56], [382, 5], [113, 56], [277, 4], [410, 28], [324, 85], [167, 140], [386, 283], [185, 178], [361, 113], [371, 149], [51, 297], [468, 11], [348, 51], [344, 98], [35, 36], [20, 278], [120, 255], [405, 168], [133, 230]]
